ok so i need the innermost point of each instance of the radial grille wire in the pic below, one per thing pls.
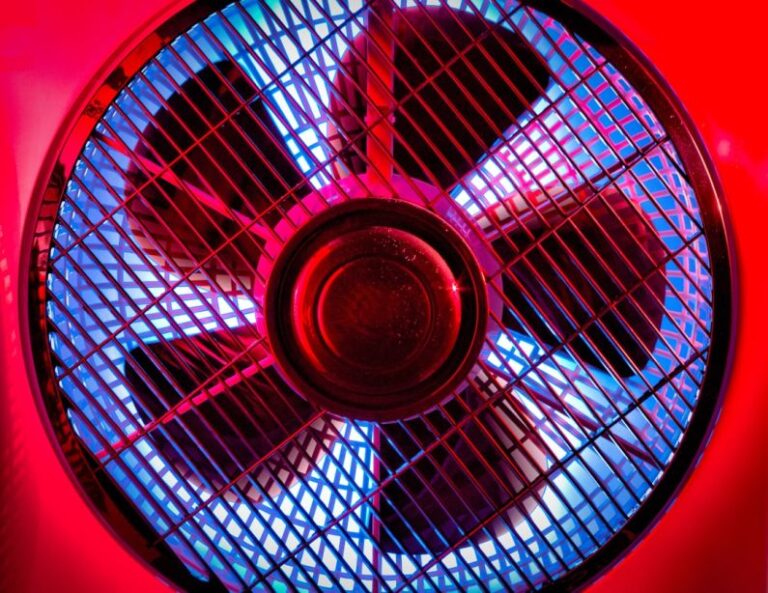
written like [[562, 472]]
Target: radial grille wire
[[586, 445]]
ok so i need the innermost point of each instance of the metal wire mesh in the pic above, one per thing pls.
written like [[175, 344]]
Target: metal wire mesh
[[577, 447]]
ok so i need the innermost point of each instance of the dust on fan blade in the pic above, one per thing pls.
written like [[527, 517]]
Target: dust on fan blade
[[604, 262], [208, 163], [231, 428], [460, 83]]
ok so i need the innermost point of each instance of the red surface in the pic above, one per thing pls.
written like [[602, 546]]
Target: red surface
[[713, 539]]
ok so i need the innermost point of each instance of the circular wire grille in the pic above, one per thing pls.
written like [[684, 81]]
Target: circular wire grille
[[152, 266]]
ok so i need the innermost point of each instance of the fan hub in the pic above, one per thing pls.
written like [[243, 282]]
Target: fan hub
[[376, 309], [376, 312]]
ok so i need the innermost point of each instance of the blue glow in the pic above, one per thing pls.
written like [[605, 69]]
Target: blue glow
[[315, 532]]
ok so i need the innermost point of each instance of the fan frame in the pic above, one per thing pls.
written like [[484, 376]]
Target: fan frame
[[119, 516]]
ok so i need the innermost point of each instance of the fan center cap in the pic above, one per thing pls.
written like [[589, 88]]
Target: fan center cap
[[375, 309]]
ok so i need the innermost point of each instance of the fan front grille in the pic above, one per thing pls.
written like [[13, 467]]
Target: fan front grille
[[589, 379]]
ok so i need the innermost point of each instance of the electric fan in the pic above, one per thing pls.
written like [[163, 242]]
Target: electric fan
[[380, 296]]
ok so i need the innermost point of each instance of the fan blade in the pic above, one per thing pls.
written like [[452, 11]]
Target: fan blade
[[569, 276], [434, 502], [210, 162], [442, 58], [219, 437], [605, 262]]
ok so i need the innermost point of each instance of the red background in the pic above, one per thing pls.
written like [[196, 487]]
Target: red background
[[713, 539]]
